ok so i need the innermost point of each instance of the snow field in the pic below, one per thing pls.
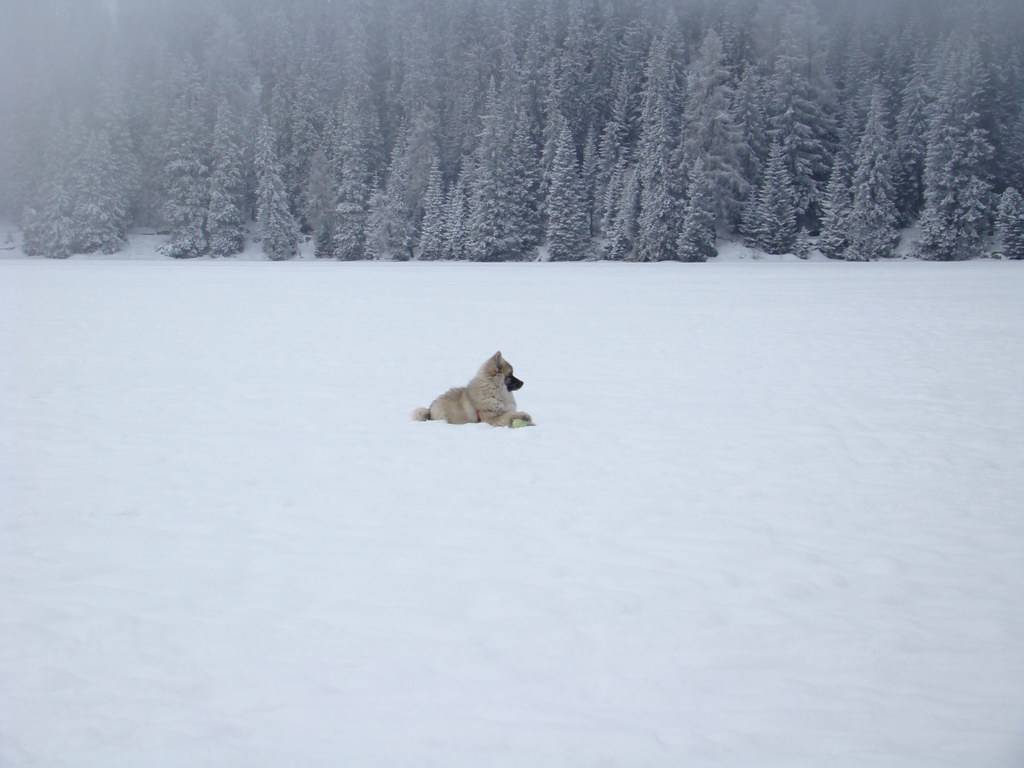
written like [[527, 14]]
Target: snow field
[[770, 515]]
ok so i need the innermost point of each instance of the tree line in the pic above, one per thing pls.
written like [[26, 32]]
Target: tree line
[[493, 130]]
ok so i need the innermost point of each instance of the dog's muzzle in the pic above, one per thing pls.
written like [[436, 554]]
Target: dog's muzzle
[[512, 383]]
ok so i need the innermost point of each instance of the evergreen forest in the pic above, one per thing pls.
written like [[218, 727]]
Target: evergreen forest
[[494, 130]]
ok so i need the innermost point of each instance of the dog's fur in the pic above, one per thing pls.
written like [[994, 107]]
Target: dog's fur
[[487, 398]]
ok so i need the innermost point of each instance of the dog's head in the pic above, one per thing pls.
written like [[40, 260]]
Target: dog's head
[[499, 369]]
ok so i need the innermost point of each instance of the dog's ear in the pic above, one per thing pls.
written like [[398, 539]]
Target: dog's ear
[[492, 366]]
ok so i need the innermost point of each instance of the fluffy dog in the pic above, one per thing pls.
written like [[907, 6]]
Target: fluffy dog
[[488, 398]]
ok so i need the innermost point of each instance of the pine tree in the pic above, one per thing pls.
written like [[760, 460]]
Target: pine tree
[[590, 172], [612, 195], [770, 223], [799, 120], [120, 167], [456, 221], [524, 175], [622, 204], [873, 225], [911, 144], [354, 79], [748, 115], [568, 230], [47, 225], [1010, 223], [362, 115], [432, 237], [957, 191], [308, 121], [225, 221], [389, 227], [1014, 150], [319, 204], [186, 173], [658, 223], [420, 98], [617, 132], [99, 209], [352, 155], [697, 237], [351, 212], [836, 206], [574, 68], [501, 224], [709, 131], [278, 229]]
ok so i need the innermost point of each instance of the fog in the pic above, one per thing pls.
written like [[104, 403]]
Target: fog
[[362, 98]]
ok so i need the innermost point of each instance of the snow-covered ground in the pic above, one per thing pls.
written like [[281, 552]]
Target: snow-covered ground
[[772, 515]]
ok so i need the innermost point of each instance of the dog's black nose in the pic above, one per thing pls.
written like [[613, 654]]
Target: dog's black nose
[[512, 384]]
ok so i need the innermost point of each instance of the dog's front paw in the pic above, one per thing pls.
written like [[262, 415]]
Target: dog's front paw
[[523, 419]]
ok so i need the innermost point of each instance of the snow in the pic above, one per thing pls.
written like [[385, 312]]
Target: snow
[[770, 515]]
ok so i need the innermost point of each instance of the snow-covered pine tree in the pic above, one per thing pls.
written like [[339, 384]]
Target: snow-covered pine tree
[[1010, 223], [856, 83], [99, 212], [574, 67], [319, 204], [151, 138], [799, 120], [351, 213], [770, 222], [612, 195], [551, 124], [802, 245], [432, 235], [420, 97], [957, 193], [1014, 149], [362, 115], [736, 29], [622, 204], [590, 172], [873, 225], [279, 232], [225, 222], [389, 227], [500, 225], [352, 153], [520, 163], [748, 115], [911, 143], [568, 234], [658, 224], [185, 172], [835, 208], [709, 131], [617, 129], [308, 122], [797, 67], [47, 224], [113, 120], [456, 220], [524, 174], [697, 237]]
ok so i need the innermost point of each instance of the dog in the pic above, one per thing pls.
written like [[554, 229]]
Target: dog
[[487, 398]]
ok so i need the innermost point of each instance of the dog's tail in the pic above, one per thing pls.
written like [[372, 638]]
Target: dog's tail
[[421, 414]]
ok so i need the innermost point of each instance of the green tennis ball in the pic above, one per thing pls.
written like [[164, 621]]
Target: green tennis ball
[[520, 423]]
